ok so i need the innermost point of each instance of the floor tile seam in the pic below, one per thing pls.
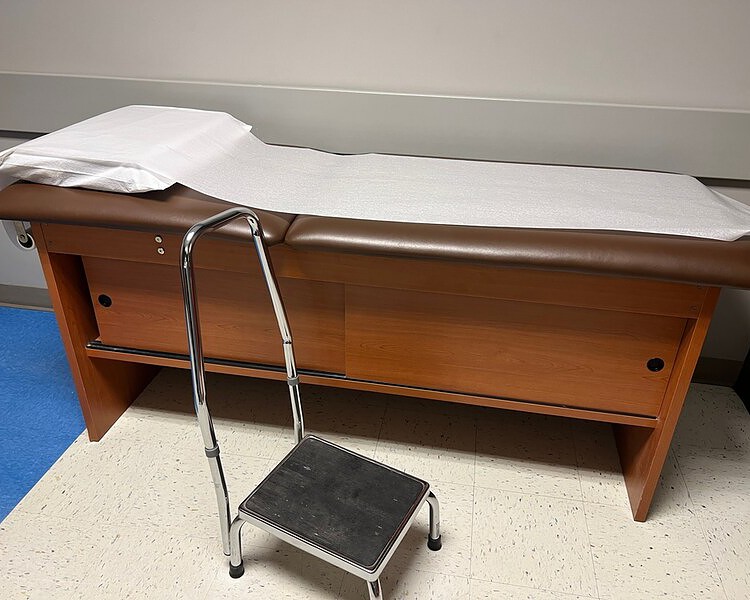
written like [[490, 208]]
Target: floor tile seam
[[538, 589], [380, 434], [499, 456], [35, 514], [332, 435], [581, 502], [742, 449], [74, 521], [244, 455], [18, 505], [412, 570], [473, 501], [142, 524], [591, 551], [341, 586], [702, 529], [586, 517], [55, 467], [578, 467], [90, 569], [460, 454], [209, 586], [421, 569], [509, 491], [432, 480], [24, 511], [623, 506], [194, 536]]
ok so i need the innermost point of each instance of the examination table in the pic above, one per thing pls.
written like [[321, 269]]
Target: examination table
[[584, 324]]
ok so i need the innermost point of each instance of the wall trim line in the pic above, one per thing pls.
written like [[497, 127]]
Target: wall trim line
[[702, 142]]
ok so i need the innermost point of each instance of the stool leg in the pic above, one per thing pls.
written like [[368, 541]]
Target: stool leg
[[434, 541], [373, 587], [236, 568]]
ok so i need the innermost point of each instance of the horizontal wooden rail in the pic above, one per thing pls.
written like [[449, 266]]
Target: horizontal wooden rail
[[96, 349]]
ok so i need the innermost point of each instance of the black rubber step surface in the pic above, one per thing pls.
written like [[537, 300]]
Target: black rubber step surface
[[337, 500]]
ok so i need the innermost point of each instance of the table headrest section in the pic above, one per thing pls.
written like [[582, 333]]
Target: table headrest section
[[671, 258], [173, 210]]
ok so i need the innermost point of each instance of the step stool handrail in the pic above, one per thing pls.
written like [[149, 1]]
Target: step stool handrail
[[195, 345]]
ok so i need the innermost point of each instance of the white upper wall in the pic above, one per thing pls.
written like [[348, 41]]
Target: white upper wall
[[690, 53]]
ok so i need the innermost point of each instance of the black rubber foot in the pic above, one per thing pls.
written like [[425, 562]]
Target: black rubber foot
[[435, 544], [236, 572]]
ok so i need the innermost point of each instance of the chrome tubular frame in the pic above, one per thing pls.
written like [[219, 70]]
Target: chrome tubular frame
[[235, 544], [434, 540], [195, 346], [376, 592]]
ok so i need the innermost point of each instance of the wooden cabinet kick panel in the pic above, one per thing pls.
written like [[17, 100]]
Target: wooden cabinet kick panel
[[579, 357]]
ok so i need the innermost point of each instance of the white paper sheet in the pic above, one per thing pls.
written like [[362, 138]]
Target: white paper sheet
[[217, 155]]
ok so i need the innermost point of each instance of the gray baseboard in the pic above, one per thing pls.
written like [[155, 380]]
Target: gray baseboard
[[25, 297]]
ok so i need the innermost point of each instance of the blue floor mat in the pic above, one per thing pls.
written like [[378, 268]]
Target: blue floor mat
[[39, 411]]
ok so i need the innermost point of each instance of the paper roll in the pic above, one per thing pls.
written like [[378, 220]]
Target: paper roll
[[217, 155]]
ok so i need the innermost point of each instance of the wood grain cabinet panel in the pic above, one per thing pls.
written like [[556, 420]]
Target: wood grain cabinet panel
[[146, 312], [522, 339], [580, 357]]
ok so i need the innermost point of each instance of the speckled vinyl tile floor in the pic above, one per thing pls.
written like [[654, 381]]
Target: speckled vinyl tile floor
[[533, 507]]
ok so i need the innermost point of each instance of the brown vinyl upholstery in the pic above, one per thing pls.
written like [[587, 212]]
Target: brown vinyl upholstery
[[650, 256], [670, 258], [172, 210]]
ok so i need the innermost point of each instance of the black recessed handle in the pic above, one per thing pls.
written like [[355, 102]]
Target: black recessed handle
[[105, 300], [655, 364]]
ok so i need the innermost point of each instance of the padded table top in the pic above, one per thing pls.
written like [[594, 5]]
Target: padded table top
[[670, 258]]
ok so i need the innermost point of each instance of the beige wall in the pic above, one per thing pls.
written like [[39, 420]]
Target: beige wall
[[670, 52], [7, 142]]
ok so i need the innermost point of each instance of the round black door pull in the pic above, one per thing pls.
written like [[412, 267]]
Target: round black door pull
[[105, 300], [655, 365]]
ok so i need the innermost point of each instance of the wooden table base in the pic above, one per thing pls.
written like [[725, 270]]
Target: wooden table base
[[602, 348]]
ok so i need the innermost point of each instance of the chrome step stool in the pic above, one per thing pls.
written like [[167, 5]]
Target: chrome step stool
[[344, 508]]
